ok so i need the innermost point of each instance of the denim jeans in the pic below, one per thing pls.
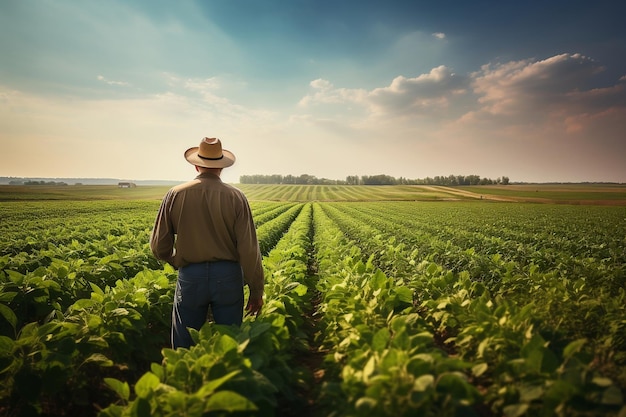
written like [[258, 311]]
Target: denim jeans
[[215, 285]]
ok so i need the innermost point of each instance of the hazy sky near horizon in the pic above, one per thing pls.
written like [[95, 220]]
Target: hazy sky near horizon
[[532, 90]]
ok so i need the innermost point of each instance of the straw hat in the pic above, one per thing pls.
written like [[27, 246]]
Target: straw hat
[[210, 154]]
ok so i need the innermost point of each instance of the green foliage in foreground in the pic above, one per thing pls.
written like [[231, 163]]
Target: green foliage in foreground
[[372, 309]]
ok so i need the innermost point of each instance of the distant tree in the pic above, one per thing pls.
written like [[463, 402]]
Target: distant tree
[[35, 182], [380, 179]]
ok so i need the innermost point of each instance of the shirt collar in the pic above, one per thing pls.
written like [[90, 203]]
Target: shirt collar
[[209, 176]]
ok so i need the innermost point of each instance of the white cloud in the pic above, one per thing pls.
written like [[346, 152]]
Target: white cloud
[[424, 94], [439, 35], [419, 95], [325, 92], [203, 85], [112, 82], [532, 88], [549, 99]]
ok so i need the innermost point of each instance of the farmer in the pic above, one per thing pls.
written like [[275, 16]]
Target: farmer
[[204, 228]]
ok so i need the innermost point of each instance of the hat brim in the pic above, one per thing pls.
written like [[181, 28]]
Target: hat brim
[[227, 159]]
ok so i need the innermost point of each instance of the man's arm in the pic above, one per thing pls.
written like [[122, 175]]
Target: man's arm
[[250, 258], [162, 237]]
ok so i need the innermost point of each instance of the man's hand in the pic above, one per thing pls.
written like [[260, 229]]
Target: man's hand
[[254, 306]]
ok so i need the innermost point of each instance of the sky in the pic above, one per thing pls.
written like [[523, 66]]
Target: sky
[[533, 90]]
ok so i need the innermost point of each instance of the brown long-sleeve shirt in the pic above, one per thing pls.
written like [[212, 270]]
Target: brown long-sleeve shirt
[[206, 220]]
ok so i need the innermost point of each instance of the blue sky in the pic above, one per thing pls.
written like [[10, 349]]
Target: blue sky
[[533, 90]]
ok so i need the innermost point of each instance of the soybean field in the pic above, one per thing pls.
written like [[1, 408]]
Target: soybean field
[[400, 301]]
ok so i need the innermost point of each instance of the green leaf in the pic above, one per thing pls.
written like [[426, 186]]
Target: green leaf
[[157, 369], [369, 368], [15, 276], [94, 321], [530, 393], [381, 339], [121, 388], [229, 401], [405, 294], [259, 328], [559, 392], [6, 345], [379, 280], [573, 348], [515, 410], [96, 289], [83, 303], [602, 381], [146, 385], [9, 315], [225, 344], [181, 370], [141, 408], [365, 404], [7, 296], [120, 311], [454, 384], [98, 358], [301, 290], [478, 370], [424, 382], [210, 387]]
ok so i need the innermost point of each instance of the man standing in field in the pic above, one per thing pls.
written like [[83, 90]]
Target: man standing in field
[[204, 228]]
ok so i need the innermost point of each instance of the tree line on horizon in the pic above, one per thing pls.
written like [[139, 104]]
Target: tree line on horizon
[[380, 179], [34, 182]]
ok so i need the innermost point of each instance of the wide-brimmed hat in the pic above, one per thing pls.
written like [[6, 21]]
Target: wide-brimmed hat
[[210, 154]]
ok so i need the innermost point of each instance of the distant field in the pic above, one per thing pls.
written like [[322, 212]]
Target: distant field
[[563, 194], [254, 192], [80, 192], [590, 193]]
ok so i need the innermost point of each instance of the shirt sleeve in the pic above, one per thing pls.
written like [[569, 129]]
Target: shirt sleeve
[[162, 237], [249, 251]]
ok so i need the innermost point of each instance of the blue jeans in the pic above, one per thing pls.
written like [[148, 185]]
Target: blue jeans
[[215, 285]]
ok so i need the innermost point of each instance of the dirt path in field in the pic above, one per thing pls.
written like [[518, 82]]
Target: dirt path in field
[[468, 194], [464, 194]]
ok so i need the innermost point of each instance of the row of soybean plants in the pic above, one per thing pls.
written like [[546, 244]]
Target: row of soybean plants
[[533, 340], [251, 370], [81, 303], [381, 356]]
